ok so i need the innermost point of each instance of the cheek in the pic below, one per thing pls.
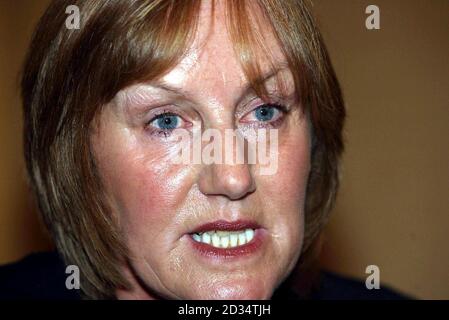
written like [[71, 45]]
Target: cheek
[[147, 192], [292, 177], [285, 193]]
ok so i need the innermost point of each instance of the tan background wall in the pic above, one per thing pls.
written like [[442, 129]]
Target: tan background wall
[[393, 208], [20, 232]]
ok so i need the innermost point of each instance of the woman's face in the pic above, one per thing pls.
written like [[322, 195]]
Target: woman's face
[[161, 204]]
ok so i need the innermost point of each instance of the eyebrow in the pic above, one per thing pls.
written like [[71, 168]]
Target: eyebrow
[[158, 84]]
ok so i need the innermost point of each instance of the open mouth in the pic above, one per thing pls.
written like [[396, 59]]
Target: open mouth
[[225, 239], [222, 238]]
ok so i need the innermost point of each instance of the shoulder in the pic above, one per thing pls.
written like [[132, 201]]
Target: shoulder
[[336, 287], [37, 276]]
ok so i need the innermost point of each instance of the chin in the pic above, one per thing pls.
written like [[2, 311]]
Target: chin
[[250, 290]]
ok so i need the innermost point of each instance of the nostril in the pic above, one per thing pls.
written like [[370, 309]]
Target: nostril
[[231, 181]]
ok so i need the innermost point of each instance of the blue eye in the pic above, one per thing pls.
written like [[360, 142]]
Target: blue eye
[[166, 121], [265, 113], [268, 114]]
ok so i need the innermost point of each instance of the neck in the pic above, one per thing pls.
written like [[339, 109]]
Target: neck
[[136, 289]]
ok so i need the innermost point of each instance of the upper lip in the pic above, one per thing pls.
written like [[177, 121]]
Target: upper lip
[[227, 226]]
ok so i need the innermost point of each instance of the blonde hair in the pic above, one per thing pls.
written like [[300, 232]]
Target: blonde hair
[[70, 75]]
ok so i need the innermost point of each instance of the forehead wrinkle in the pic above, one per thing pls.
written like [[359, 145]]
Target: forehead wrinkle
[[178, 74], [244, 84]]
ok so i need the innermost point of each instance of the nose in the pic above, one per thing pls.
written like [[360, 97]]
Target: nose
[[233, 181]]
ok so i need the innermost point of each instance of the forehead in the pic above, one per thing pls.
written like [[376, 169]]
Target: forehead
[[211, 56]]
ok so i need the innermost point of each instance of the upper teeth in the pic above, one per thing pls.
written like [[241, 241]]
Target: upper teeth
[[225, 239]]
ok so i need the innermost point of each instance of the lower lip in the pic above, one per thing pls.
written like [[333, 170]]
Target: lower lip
[[247, 249]]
